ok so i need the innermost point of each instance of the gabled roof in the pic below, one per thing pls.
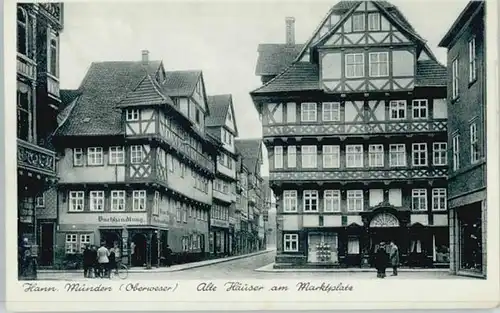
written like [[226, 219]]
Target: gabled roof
[[467, 13], [274, 58], [67, 96], [147, 93], [219, 106], [181, 83], [104, 86], [251, 152]]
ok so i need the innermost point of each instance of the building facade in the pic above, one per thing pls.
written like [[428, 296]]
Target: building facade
[[221, 124], [38, 102], [136, 167], [355, 124], [465, 42]]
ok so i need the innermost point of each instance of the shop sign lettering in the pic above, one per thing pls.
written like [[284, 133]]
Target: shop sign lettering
[[121, 219]]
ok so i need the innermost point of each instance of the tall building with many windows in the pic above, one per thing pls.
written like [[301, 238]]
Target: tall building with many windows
[[355, 124], [465, 42]]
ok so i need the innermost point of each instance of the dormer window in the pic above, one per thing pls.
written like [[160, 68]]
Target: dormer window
[[132, 115], [358, 22], [22, 31]]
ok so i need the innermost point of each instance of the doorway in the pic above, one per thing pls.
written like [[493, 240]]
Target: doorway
[[138, 250], [47, 244]]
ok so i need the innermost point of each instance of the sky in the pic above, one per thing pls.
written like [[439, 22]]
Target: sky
[[218, 37]]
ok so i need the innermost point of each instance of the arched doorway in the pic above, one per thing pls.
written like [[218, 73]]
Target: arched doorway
[[138, 249], [384, 227]]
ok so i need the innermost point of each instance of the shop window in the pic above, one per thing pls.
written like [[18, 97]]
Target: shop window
[[471, 250]]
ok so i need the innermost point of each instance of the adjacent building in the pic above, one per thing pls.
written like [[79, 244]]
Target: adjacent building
[[136, 167], [221, 124], [355, 124], [465, 42]]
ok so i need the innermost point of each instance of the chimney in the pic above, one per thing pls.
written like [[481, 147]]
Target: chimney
[[145, 57], [290, 30]]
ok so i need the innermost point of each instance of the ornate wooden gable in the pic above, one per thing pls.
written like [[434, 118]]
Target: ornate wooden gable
[[140, 162], [230, 120]]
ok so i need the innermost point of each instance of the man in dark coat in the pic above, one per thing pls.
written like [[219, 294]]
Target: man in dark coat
[[88, 261], [381, 260], [168, 256], [394, 257]]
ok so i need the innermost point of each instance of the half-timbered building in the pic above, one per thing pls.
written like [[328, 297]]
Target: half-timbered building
[[465, 42], [222, 125], [135, 164], [38, 102], [355, 126]]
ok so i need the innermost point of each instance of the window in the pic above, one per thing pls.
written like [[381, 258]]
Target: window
[[198, 117], [454, 79], [472, 60], [309, 156], [355, 200], [474, 144], [332, 201], [310, 200], [116, 155], [419, 109], [373, 21], [71, 244], [84, 240], [156, 204], [40, 201], [136, 155], [291, 242], [308, 112], [183, 169], [358, 22], [291, 156], [376, 155], [419, 199], [76, 201], [290, 201], [132, 115], [170, 162], [456, 152], [397, 109], [331, 156], [139, 200], [278, 157], [354, 155], [77, 156], [439, 199], [24, 113], [354, 65], [331, 111], [439, 154], [117, 200], [52, 63], [379, 64], [96, 200], [397, 155], [22, 31], [94, 156], [178, 213], [184, 213], [419, 154]]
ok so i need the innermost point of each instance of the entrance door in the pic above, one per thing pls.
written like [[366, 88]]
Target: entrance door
[[138, 250], [47, 244]]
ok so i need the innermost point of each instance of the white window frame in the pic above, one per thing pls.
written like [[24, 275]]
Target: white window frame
[[419, 154], [290, 201], [353, 156], [376, 155], [355, 64], [95, 156], [78, 156], [52, 38], [291, 155], [278, 157], [132, 115], [136, 154], [116, 155], [375, 58], [355, 201], [472, 59], [71, 244], [372, 17], [331, 112], [308, 112], [440, 153], [290, 242], [156, 204], [85, 239], [138, 200], [117, 200], [454, 79], [398, 107], [420, 106], [419, 197], [310, 201], [358, 22], [331, 156], [40, 201], [76, 198], [331, 201], [474, 143], [439, 194], [309, 156], [395, 153], [96, 200], [456, 152]]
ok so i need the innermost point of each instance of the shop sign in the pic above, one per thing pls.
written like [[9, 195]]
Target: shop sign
[[219, 223], [115, 219], [160, 220]]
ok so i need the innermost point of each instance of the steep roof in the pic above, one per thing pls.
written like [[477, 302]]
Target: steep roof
[[251, 152], [467, 13], [104, 86], [181, 83], [67, 96], [274, 58], [218, 104], [146, 93], [430, 73]]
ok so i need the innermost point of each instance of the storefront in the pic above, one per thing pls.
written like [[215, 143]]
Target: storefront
[[219, 241], [470, 238]]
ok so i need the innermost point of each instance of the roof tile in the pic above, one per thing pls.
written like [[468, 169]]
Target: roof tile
[[251, 151], [274, 58], [181, 83], [146, 93], [218, 106]]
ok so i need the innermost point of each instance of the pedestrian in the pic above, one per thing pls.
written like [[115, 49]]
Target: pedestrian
[[118, 254], [168, 256], [112, 262], [88, 261], [381, 260], [394, 257], [103, 259], [95, 265]]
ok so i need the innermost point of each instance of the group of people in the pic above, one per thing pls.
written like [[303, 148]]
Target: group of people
[[99, 262], [385, 255]]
